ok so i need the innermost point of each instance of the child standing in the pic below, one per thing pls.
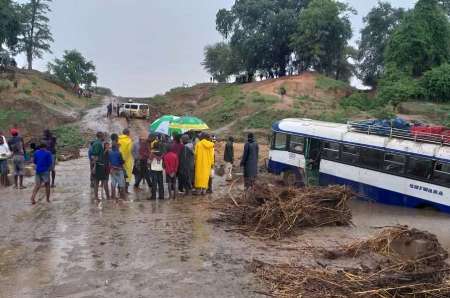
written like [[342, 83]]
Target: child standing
[[117, 172], [171, 166], [43, 161], [156, 169]]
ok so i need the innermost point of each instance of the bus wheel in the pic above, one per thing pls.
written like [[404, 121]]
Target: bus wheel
[[289, 178]]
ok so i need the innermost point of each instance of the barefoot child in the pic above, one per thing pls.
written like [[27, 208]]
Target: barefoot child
[[43, 161], [117, 171]]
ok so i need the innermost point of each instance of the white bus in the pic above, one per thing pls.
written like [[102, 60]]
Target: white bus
[[388, 166]]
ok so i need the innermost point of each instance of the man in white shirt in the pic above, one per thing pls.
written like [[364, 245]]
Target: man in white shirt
[[5, 153]]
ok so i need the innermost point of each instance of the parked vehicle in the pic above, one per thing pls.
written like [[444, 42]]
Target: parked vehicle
[[395, 168], [135, 110]]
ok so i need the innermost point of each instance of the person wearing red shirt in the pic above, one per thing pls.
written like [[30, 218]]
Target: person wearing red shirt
[[171, 162]]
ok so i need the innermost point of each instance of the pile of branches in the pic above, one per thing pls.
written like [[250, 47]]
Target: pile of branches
[[275, 212], [393, 275], [431, 256]]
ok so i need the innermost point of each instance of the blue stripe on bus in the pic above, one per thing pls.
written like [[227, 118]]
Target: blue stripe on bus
[[368, 192], [278, 130], [277, 168]]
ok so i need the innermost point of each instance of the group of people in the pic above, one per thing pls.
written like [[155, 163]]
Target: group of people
[[187, 161], [42, 155]]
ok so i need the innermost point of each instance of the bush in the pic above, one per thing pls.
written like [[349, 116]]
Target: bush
[[397, 87], [383, 112], [360, 101], [436, 83], [5, 85], [27, 91], [283, 91]]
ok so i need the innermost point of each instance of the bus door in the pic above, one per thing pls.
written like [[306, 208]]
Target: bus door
[[312, 159]]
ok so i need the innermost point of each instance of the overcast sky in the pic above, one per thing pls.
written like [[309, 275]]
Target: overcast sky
[[145, 47]]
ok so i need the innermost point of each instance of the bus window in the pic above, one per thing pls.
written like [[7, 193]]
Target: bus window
[[134, 107], [419, 168], [350, 154], [280, 141], [441, 174], [371, 158], [297, 144], [143, 107], [127, 106], [394, 163], [330, 150]]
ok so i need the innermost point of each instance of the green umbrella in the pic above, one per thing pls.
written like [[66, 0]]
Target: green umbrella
[[161, 125], [188, 123]]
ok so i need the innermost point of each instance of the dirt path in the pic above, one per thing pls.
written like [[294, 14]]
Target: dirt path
[[76, 248]]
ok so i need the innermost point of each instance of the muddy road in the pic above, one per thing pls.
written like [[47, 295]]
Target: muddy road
[[74, 247]]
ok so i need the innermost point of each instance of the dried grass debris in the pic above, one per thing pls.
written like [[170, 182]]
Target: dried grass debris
[[275, 212]]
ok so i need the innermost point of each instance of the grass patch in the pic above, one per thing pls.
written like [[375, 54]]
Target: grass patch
[[259, 98], [305, 98], [178, 90], [69, 136], [339, 116], [223, 114], [5, 85], [329, 84], [265, 119], [229, 92], [158, 100], [60, 95], [233, 102], [12, 116]]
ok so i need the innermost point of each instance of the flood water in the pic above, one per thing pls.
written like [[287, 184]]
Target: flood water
[[74, 247]]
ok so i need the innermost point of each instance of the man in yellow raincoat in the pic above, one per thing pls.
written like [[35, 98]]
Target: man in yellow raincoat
[[126, 149], [204, 162]]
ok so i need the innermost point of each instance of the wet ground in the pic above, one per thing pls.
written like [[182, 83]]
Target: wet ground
[[74, 247]]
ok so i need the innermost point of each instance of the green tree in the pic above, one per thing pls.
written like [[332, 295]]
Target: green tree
[[322, 36], [379, 25], [220, 61], [36, 35], [9, 24], [421, 41], [259, 32], [74, 69], [396, 87], [436, 83]]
